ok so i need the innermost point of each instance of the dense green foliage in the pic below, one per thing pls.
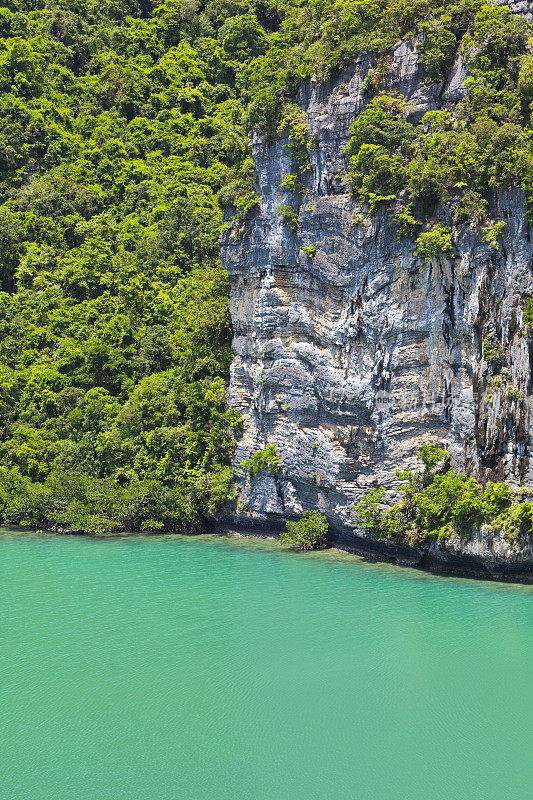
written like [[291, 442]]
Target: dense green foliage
[[266, 460], [119, 123], [310, 532], [453, 159], [122, 134], [439, 503]]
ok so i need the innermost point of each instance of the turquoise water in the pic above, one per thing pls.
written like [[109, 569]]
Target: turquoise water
[[173, 667]]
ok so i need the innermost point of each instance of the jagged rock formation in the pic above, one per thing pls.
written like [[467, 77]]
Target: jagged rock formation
[[522, 7], [348, 359]]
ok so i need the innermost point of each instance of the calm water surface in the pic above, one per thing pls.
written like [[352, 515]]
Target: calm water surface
[[172, 667]]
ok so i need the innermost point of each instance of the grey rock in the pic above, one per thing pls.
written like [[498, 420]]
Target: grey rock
[[349, 360], [522, 8]]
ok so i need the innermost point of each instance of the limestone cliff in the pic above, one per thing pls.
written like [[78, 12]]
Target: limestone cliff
[[349, 356]]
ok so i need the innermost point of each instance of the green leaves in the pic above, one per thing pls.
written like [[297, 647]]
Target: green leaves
[[242, 37], [30, 450], [378, 151], [370, 513], [310, 532], [118, 126], [435, 242], [438, 48], [266, 460], [440, 503]]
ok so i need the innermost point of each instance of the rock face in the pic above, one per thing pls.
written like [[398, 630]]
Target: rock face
[[349, 356], [522, 7]]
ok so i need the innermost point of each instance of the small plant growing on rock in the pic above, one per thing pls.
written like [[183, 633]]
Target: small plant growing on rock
[[376, 76], [492, 233], [264, 460], [434, 242], [238, 190], [492, 352], [370, 512], [310, 532], [290, 183], [300, 139], [431, 457], [513, 393], [309, 250], [289, 216], [407, 224], [471, 208]]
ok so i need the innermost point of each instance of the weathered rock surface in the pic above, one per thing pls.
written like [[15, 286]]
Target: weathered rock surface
[[349, 359]]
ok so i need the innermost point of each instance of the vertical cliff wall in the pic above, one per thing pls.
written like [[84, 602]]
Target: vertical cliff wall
[[350, 350]]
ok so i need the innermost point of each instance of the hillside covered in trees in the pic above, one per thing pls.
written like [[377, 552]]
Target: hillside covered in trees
[[123, 133]]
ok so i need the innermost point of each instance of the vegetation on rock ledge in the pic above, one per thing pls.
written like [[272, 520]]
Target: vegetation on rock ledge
[[440, 503]]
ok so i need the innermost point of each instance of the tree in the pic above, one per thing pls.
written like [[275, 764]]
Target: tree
[[243, 37], [310, 532]]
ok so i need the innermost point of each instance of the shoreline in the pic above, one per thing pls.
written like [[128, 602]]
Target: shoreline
[[439, 563], [443, 563]]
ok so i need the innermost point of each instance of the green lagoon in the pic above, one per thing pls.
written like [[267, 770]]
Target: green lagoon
[[170, 668]]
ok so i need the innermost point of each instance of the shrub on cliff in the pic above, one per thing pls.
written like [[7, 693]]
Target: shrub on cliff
[[439, 503], [266, 460], [434, 242], [310, 532], [371, 513]]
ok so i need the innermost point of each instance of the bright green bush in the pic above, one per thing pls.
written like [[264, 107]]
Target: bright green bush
[[492, 352], [242, 37], [238, 189], [310, 532], [492, 233], [378, 150], [266, 460], [406, 223], [439, 503], [300, 142], [370, 511], [528, 311], [289, 216], [438, 48], [434, 242], [471, 208], [496, 499], [430, 455], [290, 183]]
